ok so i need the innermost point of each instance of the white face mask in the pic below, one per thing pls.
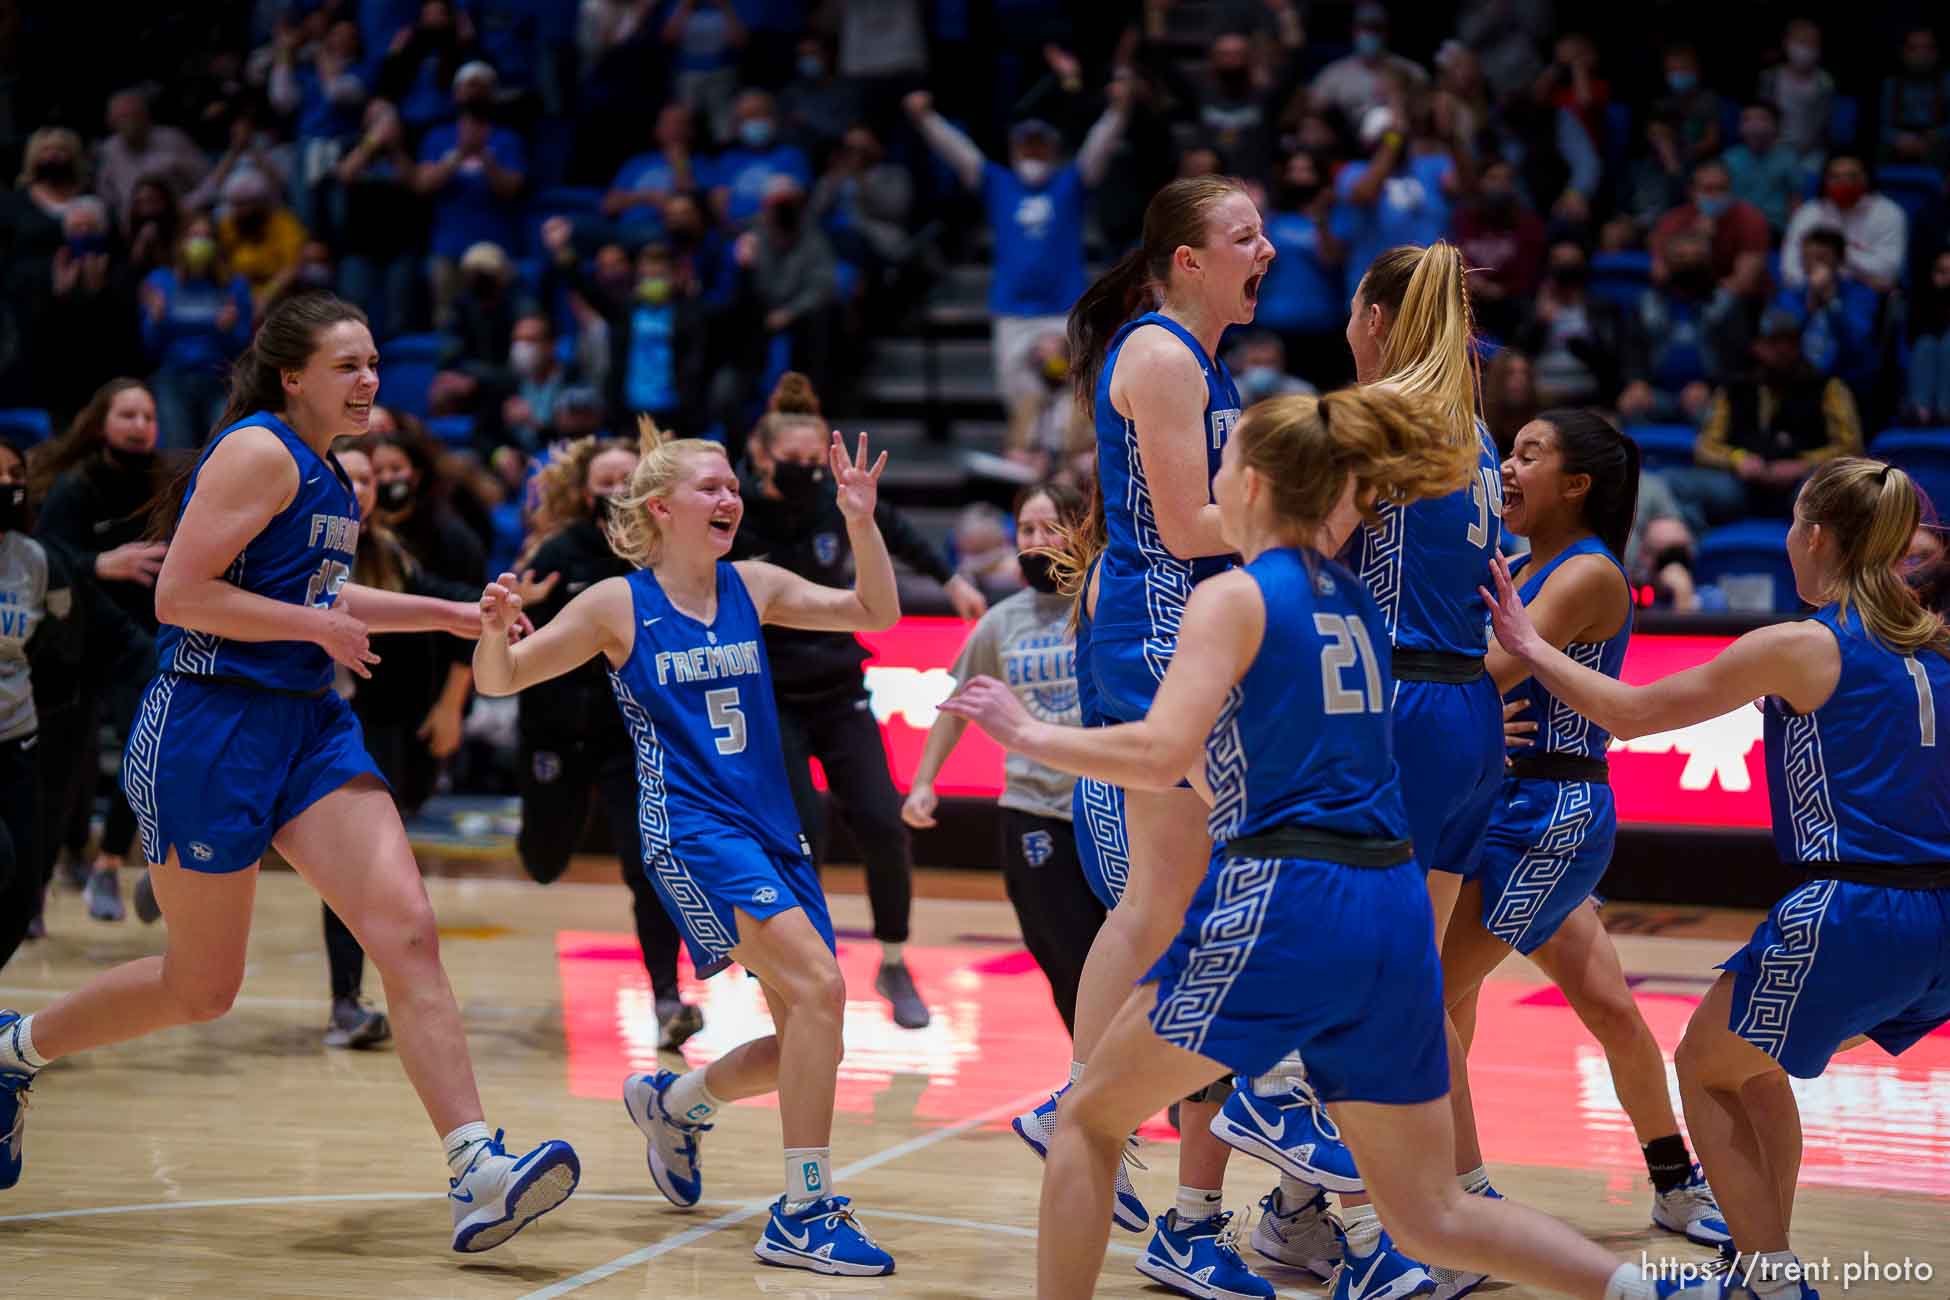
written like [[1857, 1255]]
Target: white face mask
[[1032, 171], [526, 357]]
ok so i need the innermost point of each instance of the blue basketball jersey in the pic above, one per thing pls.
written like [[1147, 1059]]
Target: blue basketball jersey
[[697, 701], [1089, 705], [1560, 728], [1300, 745], [302, 557], [1423, 562], [1864, 778], [1144, 587]]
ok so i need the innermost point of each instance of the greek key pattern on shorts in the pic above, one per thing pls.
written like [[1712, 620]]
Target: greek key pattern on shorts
[[1381, 561], [653, 824], [139, 765], [1225, 770], [1225, 945], [1543, 866], [1784, 967], [1809, 809], [1103, 820], [1566, 731]]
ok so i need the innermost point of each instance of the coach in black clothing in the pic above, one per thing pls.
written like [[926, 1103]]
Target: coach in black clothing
[[792, 520]]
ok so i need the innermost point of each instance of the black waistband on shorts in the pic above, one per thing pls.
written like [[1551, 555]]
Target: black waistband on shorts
[[1436, 666], [1886, 875], [1325, 845], [245, 683], [1560, 767]]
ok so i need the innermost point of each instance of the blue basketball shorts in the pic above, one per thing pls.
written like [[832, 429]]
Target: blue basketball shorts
[[705, 878], [1128, 671], [1103, 848], [1546, 849], [1338, 963], [1449, 747], [214, 771], [1835, 959]]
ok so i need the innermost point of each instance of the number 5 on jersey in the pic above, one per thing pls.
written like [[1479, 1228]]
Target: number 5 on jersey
[[727, 719]]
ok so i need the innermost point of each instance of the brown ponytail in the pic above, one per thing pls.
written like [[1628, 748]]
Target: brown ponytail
[[1871, 510]]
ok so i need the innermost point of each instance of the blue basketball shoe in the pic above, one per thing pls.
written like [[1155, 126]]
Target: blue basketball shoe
[[672, 1143], [1036, 1127], [1292, 1132], [823, 1237], [13, 1112], [1691, 1211], [497, 1196], [1201, 1260], [1383, 1274]]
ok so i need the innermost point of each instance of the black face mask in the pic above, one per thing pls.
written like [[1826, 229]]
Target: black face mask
[[139, 462], [785, 215], [1036, 571], [1673, 555], [1569, 277], [1234, 81], [1693, 281], [58, 172], [798, 482], [1298, 196], [13, 508], [394, 495]]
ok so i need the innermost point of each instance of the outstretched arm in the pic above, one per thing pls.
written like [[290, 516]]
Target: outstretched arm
[[396, 611], [1162, 390], [948, 141]]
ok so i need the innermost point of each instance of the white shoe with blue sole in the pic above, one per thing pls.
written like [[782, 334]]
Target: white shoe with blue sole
[[498, 1195], [672, 1152], [1691, 1211]]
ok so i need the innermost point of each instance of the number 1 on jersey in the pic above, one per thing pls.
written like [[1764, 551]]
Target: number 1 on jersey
[[728, 718]]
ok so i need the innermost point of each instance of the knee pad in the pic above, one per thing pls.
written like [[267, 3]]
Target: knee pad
[[1215, 1092]]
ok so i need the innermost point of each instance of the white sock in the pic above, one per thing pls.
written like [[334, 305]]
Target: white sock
[[1076, 1072], [1196, 1204], [807, 1178], [891, 953], [1294, 1193], [1281, 1077], [1475, 1182], [461, 1144], [1776, 1273], [1363, 1227], [689, 1100], [17, 1048]]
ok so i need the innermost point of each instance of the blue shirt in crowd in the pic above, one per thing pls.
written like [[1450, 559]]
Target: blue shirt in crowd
[[186, 337], [1677, 328], [650, 384], [1038, 241], [746, 173], [1411, 209], [1302, 293], [646, 171], [466, 211], [1840, 338]]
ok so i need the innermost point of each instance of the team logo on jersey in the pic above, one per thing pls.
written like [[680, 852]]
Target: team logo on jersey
[[202, 852], [1323, 584], [547, 766], [765, 894], [826, 547], [1037, 847]]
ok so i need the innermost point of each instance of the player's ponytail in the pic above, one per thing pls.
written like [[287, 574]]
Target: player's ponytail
[[794, 401], [632, 530], [1870, 510], [284, 341], [1430, 347], [1592, 445]]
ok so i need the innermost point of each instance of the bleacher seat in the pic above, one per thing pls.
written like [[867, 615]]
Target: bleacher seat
[[1664, 446], [25, 424], [1749, 561], [452, 430], [407, 365], [1917, 190], [1844, 116], [1922, 453], [1621, 277]]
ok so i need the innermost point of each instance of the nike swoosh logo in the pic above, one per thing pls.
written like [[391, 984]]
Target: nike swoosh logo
[[313, 479], [1360, 1289], [1274, 1132], [650, 621], [1183, 1261], [464, 1198], [801, 1241]]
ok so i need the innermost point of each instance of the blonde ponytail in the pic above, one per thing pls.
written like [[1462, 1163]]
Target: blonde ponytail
[[1430, 348], [1871, 510], [632, 530]]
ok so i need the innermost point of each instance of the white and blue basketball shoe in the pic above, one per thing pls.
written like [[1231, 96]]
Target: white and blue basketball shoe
[[1036, 1127], [1292, 1132], [671, 1143], [1382, 1274], [497, 1195], [13, 1111], [1201, 1260], [1691, 1211], [1306, 1236], [821, 1237]]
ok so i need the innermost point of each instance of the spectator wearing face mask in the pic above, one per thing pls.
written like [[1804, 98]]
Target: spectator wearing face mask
[[321, 89], [656, 330], [863, 204], [539, 377], [1690, 104], [474, 172], [1730, 225], [1916, 104], [701, 250], [1301, 299], [636, 196], [51, 177], [261, 239], [1401, 193], [1584, 351], [35, 589], [1875, 227], [412, 499], [196, 319], [739, 178], [1927, 398], [1502, 242], [818, 106], [251, 146], [1035, 208], [1235, 102], [1367, 79], [1672, 320], [1764, 171], [1258, 364], [1803, 91], [84, 327], [1837, 315], [137, 148], [381, 223], [1047, 431]]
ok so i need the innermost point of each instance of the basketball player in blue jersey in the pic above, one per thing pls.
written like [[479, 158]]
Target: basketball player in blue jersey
[[242, 743], [1163, 405], [1282, 688], [681, 639], [1570, 486], [1860, 790]]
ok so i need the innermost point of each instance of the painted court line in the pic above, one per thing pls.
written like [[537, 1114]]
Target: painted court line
[[752, 1210]]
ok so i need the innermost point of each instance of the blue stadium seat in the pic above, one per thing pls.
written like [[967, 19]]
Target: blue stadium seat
[[1917, 190], [1844, 116], [1924, 454], [452, 430], [1621, 277], [1664, 446], [1749, 561], [25, 424], [407, 365]]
